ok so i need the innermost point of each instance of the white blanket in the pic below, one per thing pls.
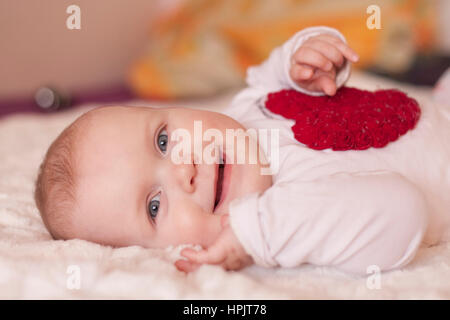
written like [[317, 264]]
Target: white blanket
[[33, 266]]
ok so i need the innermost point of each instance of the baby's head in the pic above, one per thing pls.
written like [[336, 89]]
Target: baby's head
[[115, 177]]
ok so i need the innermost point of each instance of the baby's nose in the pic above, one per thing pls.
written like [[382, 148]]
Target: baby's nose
[[185, 175]]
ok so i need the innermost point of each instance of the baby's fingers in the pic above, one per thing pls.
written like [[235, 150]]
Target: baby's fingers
[[313, 58], [328, 50], [213, 255], [301, 72], [327, 85], [348, 52], [186, 266]]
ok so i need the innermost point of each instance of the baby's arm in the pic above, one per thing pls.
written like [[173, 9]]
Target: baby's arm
[[350, 221], [301, 63]]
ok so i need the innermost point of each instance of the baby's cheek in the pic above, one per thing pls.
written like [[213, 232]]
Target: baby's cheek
[[195, 226]]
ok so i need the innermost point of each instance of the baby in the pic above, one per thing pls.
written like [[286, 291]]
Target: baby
[[116, 176]]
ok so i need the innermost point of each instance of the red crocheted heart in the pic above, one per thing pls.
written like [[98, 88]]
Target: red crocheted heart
[[352, 119]]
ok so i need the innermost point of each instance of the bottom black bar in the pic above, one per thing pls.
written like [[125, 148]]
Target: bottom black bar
[[228, 309]]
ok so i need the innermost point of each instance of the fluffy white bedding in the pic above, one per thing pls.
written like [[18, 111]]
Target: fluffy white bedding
[[33, 266]]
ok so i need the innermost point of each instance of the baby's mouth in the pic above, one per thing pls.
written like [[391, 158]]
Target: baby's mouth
[[219, 183]]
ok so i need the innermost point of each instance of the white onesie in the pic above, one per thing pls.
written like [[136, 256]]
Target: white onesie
[[348, 209]]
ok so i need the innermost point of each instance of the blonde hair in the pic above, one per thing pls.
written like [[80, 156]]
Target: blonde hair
[[56, 183]]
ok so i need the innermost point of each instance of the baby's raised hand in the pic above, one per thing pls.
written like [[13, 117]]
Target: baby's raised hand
[[314, 65], [226, 251]]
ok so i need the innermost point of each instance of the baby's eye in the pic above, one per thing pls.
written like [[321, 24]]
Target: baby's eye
[[153, 206], [162, 140]]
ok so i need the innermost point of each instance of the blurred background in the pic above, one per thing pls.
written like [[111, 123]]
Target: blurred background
[[173, 49]]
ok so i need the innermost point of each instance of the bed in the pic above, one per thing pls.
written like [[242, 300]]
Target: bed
[[33, 266]]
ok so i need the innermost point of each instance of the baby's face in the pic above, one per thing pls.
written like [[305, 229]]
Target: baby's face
[[130, 190]]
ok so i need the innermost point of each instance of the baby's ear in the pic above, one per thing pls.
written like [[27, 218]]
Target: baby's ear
[[224, 220]]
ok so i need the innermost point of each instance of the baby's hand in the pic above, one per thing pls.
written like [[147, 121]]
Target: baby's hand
[[314, 65], [226, 251]]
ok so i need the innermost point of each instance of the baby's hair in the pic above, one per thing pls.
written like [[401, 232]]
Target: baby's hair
[[56, 183]]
